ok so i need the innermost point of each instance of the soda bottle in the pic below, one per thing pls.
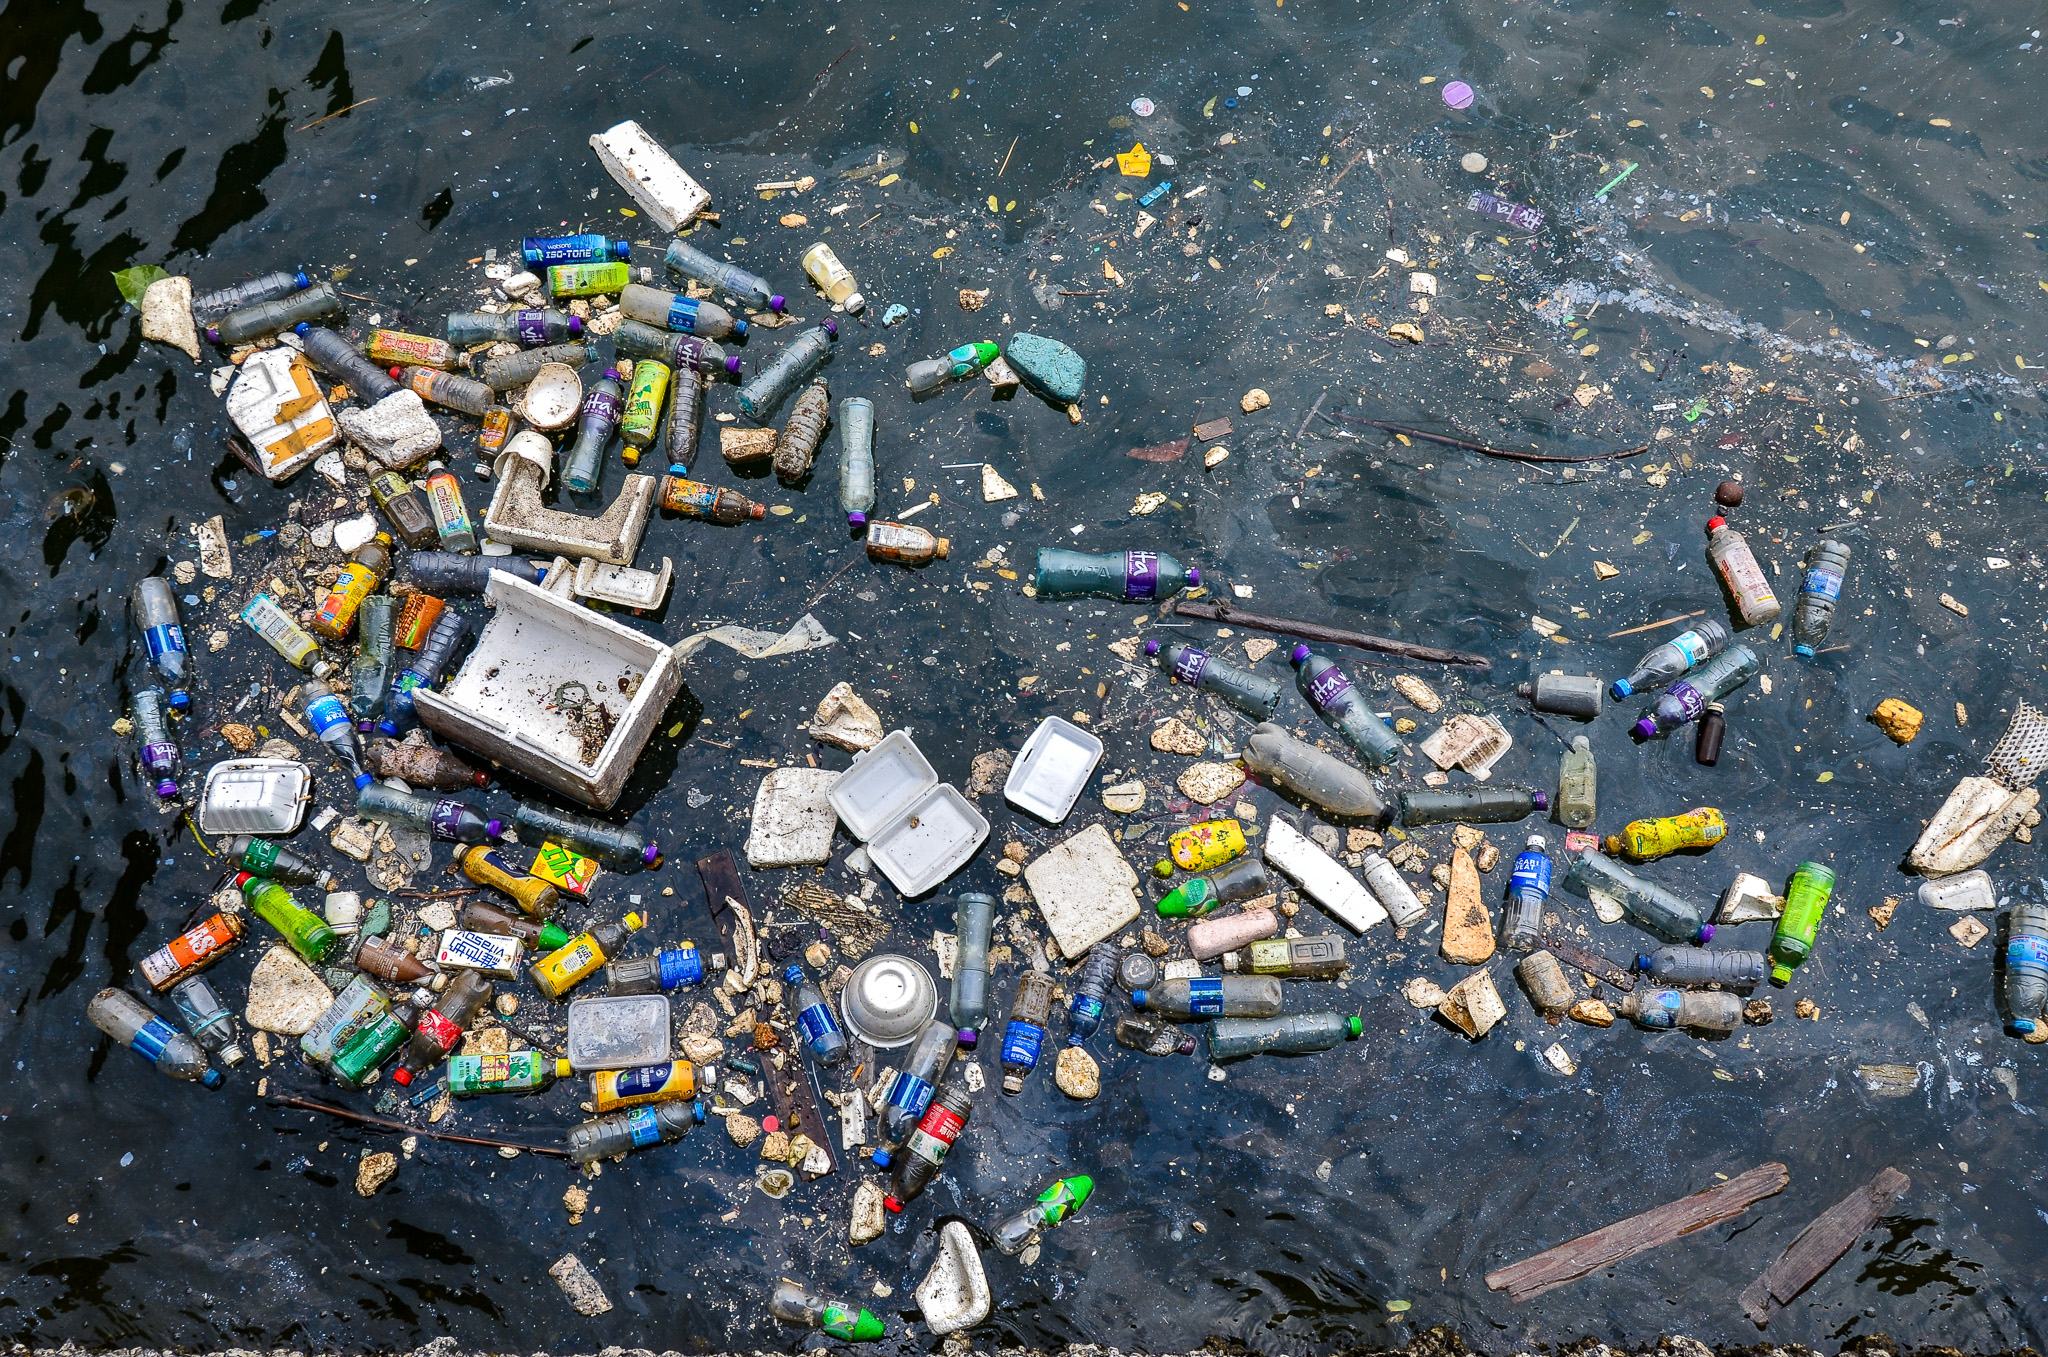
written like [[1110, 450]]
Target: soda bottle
[[1153, 1035], [367, 566], [155, 608], [1684, 700], [1124, 575], [644, 402], [208, 1019], [929, 374], [308, 933], [1806, 904], [681, 495], [1528, 891], [1666, 662], [795, 1303], [157, 751], [443, 817], [357, 1056], [1578, 781], [128, 1020], [1575, 695], [439, 1028], [1472, 805], [685, 416], [974, 916], [191, 952], [669, 1082], [602, 406], [1698, 966], [283, 634], [2026, 966], [687, 261], [333, 727], [636, 339], [1663, 912], [1699, 1010], [420, 765], [823, 1036], [926, 1148], [481, 916], [903, 544], [796, 447], [334, 355], [1244, 879], [1024, 1036], [515, 370], [910, 1092], [450, 389], [1211, 938], [619, 847], [423, 670], [833, 278], [1211, 843], [1287, 764], [795, 365], [1214, 996], [857, 459], [403, 508], [1706, 746], [580, 249], [512, 1072], [1819, 591], [245, 323], [1091, 988], [564, 968], [1648, 840], [388, 961], [527, 329], [1320, 958], [369, 675], [657, 974], [685, 315], [1393, 891], [1048, 1209], [488, 867], [267, 287], [1744, 579], [593, 279], [636, 1129], [1344, 709], [450, 514], [1295, 1034], [1197, 668]]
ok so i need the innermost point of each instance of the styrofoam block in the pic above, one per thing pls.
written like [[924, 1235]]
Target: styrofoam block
[[664, 189], [793, 819], [276, 404], [1084, 888], [954, 1295], [1320, 878]]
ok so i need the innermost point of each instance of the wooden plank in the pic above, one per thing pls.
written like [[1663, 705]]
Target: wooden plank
[[1821, 1245], [1315, 631], [1626, 1238]]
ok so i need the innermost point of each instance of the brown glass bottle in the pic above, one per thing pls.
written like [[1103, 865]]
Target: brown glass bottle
[[419, 765], [403, 507], [903, 544], [387, 961]]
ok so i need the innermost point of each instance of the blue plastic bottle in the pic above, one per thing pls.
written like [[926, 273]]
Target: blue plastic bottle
[[823, 1035], [1528, 889], [1091, 988]]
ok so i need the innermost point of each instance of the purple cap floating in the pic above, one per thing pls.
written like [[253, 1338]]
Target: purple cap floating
[[778, 303], [213, 334], [1646, 728], [166, 788], [495, 828], [856, 518], [1706, 934], [967, 1037], [651, 855], [1298, 654], [1542, 800], [829, 326], [732, 365], [1458, 94], [575, 325], [1151, 647], [1194, 577]]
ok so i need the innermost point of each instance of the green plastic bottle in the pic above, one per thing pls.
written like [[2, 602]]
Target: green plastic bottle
[[512, 1072], [1131, 576], [1244, 879], [306, 931], [1806, 903], [363, 1054], [1048, 1209]]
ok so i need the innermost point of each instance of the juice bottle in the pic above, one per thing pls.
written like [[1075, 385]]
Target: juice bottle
[[1806, 904], [1744, 578], [308, 933], [561, 970], [904, 544], [833, 278], [367, 565], [1648, 840]]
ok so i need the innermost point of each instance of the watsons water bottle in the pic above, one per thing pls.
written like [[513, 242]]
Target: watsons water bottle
[[684, 315], [527, 329], [209, 1020], [334, 355], [1127, 576], [1091, 989], [1214, 996], [267, 287], [267, 318], [156, 750], [1017, 1232], [1472, 805], [1819, 591], [926, 1149], [1747, 588], [795, 1303], [1666, 662], [1244, 879], [603, 404], [443, 817], [974, 916], [603, 1137], [155, 608], [2026, 966], [1806, 904], [1698, 966], [910, 1092], [1687, 698], [1578, 783], [1663, 912], [686, 260], [1277, 758], [927, 375], [795, 365], [1024, 1036], [1343, 709], [658, 974], [579, 249], [1697, 1010], [823, 1036], [128, 1020], [1249, 692], [637, 339], [1295, 1034], [857, 459], [1528, 891], [1648, 840], [622, 848]]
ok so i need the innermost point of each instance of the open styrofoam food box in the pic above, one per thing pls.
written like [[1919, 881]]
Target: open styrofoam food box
[[502, 701], [918, 830], [1052, 769]]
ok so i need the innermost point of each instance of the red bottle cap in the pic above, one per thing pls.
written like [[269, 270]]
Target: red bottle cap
[[1716, 522]]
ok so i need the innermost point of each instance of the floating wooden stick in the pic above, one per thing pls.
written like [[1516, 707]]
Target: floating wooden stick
[[1552, 1268], [1821, 1245], [1661, 622], [384, 1124], [1506, 454], [1311, 631]]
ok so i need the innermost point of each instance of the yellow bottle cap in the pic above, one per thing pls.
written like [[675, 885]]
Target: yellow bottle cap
[[562, 1070], [633, 922]]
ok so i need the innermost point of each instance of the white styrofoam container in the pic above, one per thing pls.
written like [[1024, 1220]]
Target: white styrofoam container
[[917, 829], [1320, 877], [255, 796], [664, 189], [1052, 769], [277, 404], [501, 702]]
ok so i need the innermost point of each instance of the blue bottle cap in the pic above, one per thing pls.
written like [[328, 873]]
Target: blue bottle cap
[[1621, 689], [212, 1079], [793, 974], [1804, 650], [180, 699], [622, 248], [1138, 998], [301, 279], [384, 727], [2023, 1025], [880, 1159], [301, 328], [739, 326], [363, 780], [1642, 961]]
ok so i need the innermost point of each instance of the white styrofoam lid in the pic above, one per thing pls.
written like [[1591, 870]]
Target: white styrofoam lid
[[1052, 769], [881, 785], [931, 840]]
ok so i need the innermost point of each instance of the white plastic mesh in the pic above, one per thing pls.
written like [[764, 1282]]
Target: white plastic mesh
[[2022, 752]]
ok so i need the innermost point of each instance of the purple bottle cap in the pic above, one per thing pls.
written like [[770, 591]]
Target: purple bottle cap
[[1298, 654], [1647, 728], [1706, 934], [576, 325], [857, 518], [739, 326], [212, 334], [829, 326], [611, 374], [967, 1037], [1194, 577], [1542, 800], [777, 303], [732, 365], [650, 855], [1151, 647], [494, 828], [166, 788]]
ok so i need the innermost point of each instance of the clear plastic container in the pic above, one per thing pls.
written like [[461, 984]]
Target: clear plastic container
[[1663, 663], [973, 920], [833, 278], [334, 355], [1528, 892], [796, 363], [857, 459], [1820, 592], [607, 1033], [688, 261], [1578, 783], [1295, 1034], [1663, 912], [154, 608]]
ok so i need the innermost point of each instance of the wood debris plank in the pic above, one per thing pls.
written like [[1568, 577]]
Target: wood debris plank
[[1821, 1245]]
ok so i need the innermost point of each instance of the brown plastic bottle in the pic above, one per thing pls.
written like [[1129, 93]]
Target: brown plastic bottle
[[903, 544], [419, 765], [442, 1026], [387, 961]]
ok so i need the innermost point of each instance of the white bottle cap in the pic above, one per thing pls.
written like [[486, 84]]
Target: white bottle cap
[[854, 303]]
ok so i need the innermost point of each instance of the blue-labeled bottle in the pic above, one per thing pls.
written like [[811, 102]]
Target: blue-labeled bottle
[[1663, 663], [1820, 590], [603, 405], [910, 1092], [1528, 890], [332, 725], [683, 314], [823, 1036], [1024, 1037], [657, 974], [2026, 966], [1344, 709], [128, 1020], [1091, 989], [583, 249], [423, 670], [155, 607]]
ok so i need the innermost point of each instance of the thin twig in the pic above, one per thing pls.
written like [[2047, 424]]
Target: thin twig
[[1347, 169], [1911, 395], [1310, 415], [866, 222], [1447, 441], [1006, 155], [339, 111], [1652, 626], [385, 1124]]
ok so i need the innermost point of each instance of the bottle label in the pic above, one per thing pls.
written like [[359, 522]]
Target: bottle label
[[1532, 873], [162, 755], [1189, 664], [326, 713], [1086, 1010], [1661, 1011], [439, 1030], [818, 1025], [1021, 1043], [164, 641], [679, 496], [492, 952], [643, 1126], [936, 1131], [1746, 578], [446, 817], [910, 1093], [1690, 700], [2030, 953], [1693, 646], [156, 1034], [445, 498], [679, 968], [648, 1079], [1825, 584], [1141, 574], [601, 407], [688, 352], [1329, 688], [682, 315], [1205, 995], [532, 327]]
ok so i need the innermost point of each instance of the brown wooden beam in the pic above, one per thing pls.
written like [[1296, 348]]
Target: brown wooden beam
[[1313, 631], [1821, 1245]]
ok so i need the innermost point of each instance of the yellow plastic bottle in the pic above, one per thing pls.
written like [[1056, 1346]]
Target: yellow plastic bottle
[[1208, 844], [614, 1089], [833, 278], [563, 969], [1646, 840]]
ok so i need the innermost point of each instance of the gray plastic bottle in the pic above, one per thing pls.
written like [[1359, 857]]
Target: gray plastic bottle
[[1684, 700], [1299, 767], [1295, 1034], [1819, 593], [268, 287], [369, 675], [1666, 913], [441, 573], [1403, 906], [637, 1128], [688, 261], [209, 1020], [267, 318], [2026, 966], [1153, 1035], [517, 369], [334, 355], [1544, 979], [974, 915], [129, 1021], [685, 416], [1259, 696], [1578, 785], [1472, 805], [1697, 966], [1574, 695], [602, 405], [637, 339], [857, 459], [1666, 662], [1214, 996], [1344, 709], [1697, 1010], [795, 365]]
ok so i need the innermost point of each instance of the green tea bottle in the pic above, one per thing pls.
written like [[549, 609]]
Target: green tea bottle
[[1806, 902], [306, 931]]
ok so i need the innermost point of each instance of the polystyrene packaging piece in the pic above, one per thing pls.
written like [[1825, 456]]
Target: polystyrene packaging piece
[[278, 407], [954, 1295], [793, 819], [663, 189], [1052, 769], [255, 796], [521, 519], [1084, 888], [1320, 877], [501, 702], [618, 1033], [1978, 816], [918, 830]]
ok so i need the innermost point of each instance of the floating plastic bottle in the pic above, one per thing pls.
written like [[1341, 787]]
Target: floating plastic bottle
[[796, 364], [451, 516], [904, 544], [386, 960], [1696, 1010], [1648, 840], [267, 287], [1024, 1035], [2026, 966], [395, 348], [1128, 576], [1245, 879], [1744, 578], [857, 459], [481, 916], [1344, 709], [566, 967], [281, 631], [419, 765], [1819, 592], [1549, 991], [1317, 958], [537, 899], [637, 339], [1203, 845], [211, 1022], [685, 419], [974, 916], [1528, 892], [267, 318], [603, 1137], [511, 1072], [1091, 990], [1806, 904], [578, 249], [796, 447], [449, 389], [443, 817], [1706, 746], [1049, 1208], [927, 375], [358, 1056], [328, 715], [1666, 662], [191, 952], [603, 404], [1257, 694], [515, 370], [403, 508], [669, 1082], [680, 495], [594, 279], [645, 400], [154, 606], [622, 848], [795, 1303], [309, 934], [368, 565], [925, 1150], [128, 1020], [441, 1027], [1214, 996], [684, 315], [423, 669], [334, 355], [369, 676], [1578, 785], [1698, 966], [1295, 1034], [1212, 937], [1153, 1035], [448, 572], [1574, 695], [527, 329], [1684, 700], [662, 973], [155, 749], [833, 278], [1392, 890], [823, 1037], [1276, 757], [360, 1003], [1665, 913], [1471, 805], [910, 1092]]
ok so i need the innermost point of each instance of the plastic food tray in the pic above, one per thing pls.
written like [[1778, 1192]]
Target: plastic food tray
[[918, 830], [620, 1032], [255, 796], [1052, 769]]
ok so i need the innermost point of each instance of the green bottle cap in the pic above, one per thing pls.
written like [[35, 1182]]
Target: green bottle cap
[[1081, 1186], [553, 938], [867, 1328], [1174, 904], [1780, 972], [1353, 1026]]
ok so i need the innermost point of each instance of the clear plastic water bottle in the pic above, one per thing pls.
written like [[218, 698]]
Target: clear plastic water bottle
[[210, 1021], [684, 315], [974, 916], [527, 329], [1128, 576], [1578, 785], [449, 389], [267, 318], [603, 405], [1255, 694], [1024, 1035], [1344, 709], [1528, 892], [1153, 1035], [155, 609], [1214, 996], [795, 1303], [687, 261], [1684, 700], [1696, 1010], [579, 249], [929, 374], [910, 1092], [794, 366], [823, 1036], [423, 669], [1473, 805], [128, 1020], [1663, 912], [1666, 662], [369, 676], [1819, 592], [653, 1124], [1047, 1209], [443, 817], [637, 339], [685, 420], [2026, 966], [1392, 890], [282, 633], [1295, 1034], [857, 459], [268, 287], [1276, 757], [334, 355], [1698, 966], [1744, 578], [1091, 989], [623, 848], [515, 370], [155, 747]]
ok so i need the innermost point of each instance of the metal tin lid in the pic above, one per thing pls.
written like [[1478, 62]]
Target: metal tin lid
[[888, 999]]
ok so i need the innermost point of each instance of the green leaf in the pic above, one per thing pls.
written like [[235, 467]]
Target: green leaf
[[134, 282]]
